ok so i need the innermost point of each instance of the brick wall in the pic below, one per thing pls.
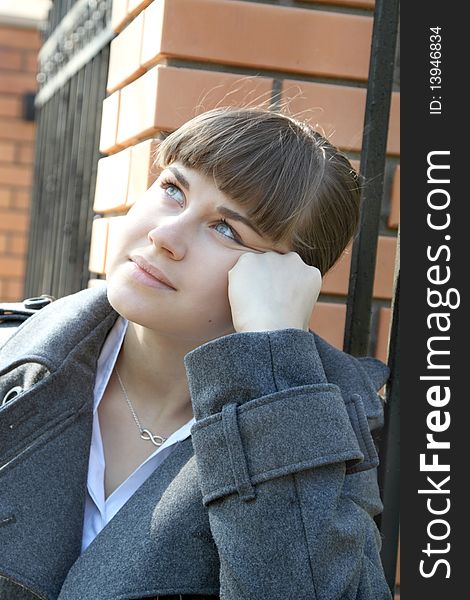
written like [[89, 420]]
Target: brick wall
[[18, 53]]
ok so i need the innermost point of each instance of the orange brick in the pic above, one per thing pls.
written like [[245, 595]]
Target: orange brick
[[21, 199], [13, 221], [14, 289], [18, 245], [124, 60], [394, 217], [142, 171], [16, 175], [119, 16], [4, 237], [281, 38], [112, 181], [99, 240], [11, 60], [328, 320], [10, 106], [135, 6], [12, 266], [5, 197], [19, 37], [337, 112], [115, 224], [383, 333], [17, 83], [30, 62], [95, 282], [26, 154], [109, 123], [16, 129], [7, 152], [150, 104], [336, 281]]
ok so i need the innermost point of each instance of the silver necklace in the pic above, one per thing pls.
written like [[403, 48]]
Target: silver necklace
[[145, 434]]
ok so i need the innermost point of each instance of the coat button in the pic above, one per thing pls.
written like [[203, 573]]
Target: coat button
[[15, 391]]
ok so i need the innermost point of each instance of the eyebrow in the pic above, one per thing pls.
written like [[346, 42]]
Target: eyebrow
[[180, 177], [222, 210], [231, 214]]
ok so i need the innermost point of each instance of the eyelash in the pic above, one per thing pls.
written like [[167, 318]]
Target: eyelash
[[166, 183]]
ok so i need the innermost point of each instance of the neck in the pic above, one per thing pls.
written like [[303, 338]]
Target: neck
[[152, 369]]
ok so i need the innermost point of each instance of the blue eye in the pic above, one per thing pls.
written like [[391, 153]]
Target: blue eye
[[173, 191], [234, 236]]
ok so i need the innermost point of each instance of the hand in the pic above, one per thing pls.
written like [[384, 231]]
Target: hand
[[272, 291]]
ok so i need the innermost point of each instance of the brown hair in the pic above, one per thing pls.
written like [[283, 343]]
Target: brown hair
[[293, 184]]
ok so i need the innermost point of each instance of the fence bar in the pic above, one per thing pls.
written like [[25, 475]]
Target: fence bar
[[379, 89], [389, 452]]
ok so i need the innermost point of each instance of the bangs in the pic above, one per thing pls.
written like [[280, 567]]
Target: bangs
[[261, 160]]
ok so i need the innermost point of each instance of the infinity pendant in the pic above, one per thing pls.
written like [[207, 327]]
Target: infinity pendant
[[157, 440]]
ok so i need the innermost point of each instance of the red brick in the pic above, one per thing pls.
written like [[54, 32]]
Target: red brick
[[21, 199], [30, 62], [124, 61], [256, 35], [112, 181], [142, 172], [7, 152], [12, 266], [119, 16], [11, 60], [95, 282], [394, 217], [383, 333], [336, 281], [19, 37], [13, 289], [5, 197], [149, 104], [13, 221], [10, 106], [25, 154], [328, 320], [18, 245], [114, 233], [99, 240], [109, 123], [337, 112], [15, 175], [16, 129], [17, 83], [4, 237]]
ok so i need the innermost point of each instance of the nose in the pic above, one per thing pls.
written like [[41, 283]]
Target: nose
[[171, 237]]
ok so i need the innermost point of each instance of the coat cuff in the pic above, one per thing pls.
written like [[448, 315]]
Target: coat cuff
[[250, 365], [263, 410]]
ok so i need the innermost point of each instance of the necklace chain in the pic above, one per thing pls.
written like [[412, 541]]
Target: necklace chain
[[145, 434]]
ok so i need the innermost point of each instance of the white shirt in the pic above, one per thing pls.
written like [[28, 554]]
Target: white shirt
[[98, 510]]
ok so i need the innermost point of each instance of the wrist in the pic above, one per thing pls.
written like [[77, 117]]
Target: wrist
[[259, 326]]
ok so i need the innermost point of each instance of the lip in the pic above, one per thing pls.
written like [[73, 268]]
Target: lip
[[152, 271]]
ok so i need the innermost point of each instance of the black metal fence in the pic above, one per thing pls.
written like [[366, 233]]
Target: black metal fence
[[73, 72]]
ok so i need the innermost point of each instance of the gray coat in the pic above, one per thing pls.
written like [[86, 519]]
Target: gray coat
[[272, 496]]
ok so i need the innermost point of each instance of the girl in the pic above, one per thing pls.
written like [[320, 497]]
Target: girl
[[181, 433]]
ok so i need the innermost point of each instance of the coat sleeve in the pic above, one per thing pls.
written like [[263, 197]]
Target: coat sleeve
[[274, 445]]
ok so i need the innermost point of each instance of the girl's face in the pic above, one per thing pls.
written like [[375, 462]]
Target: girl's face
[[193, 234]]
